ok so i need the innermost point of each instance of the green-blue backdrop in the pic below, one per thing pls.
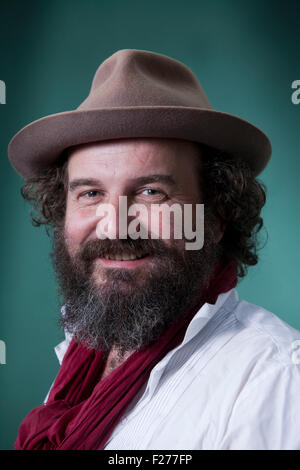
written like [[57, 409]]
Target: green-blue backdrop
[[246, 55]]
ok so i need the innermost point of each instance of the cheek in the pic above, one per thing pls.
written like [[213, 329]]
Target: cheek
[[80, 224]]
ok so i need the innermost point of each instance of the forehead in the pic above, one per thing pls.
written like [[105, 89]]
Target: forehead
[[133, 157]]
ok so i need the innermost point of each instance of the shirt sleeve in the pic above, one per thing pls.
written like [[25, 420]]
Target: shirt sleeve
[[266, 415]]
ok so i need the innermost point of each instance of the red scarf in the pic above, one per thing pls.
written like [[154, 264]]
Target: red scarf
[[82, 412]]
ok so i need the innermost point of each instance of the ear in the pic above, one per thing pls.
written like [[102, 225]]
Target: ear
[[220, 229]]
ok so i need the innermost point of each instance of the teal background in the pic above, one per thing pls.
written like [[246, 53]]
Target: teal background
[[246, 55]]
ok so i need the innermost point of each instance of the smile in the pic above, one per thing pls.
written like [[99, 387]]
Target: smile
[[125, 256], [124, 260]]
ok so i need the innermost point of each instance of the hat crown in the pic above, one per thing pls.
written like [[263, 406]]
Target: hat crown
[[138, 94], [131, 78]]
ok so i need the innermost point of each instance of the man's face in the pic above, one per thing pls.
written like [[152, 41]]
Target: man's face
[[126, 292]]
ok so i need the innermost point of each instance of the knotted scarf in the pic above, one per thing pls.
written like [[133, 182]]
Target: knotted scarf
[[82, 412]]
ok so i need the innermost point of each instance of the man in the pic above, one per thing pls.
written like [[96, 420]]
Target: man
[[159, 353]]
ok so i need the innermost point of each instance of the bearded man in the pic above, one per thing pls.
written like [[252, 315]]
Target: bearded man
[[160, 353]]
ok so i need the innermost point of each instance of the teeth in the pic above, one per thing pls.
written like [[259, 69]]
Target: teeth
[[124, 256]]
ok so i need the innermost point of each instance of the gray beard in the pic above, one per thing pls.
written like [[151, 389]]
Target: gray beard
[[123, 312]]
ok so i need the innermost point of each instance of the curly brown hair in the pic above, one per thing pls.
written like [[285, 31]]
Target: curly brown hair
[[231, 193]]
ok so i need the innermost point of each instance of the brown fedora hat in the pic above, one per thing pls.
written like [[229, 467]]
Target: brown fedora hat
[[137, 93]]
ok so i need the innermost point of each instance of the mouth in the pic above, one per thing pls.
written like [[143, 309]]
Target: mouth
[[124, 260], [126, 256]]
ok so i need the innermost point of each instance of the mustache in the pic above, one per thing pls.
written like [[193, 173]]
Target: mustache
[[99, 248]]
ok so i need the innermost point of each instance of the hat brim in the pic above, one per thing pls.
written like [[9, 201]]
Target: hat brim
[[40, 144]]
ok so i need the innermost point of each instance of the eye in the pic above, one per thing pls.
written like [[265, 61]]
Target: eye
[[152, 195], [151, 192], [90, 194]]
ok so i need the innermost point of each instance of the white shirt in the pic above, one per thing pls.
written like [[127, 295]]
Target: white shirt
[[233, 383]]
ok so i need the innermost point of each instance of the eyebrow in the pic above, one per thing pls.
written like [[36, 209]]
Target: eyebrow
[[76, 183], [165, 179]]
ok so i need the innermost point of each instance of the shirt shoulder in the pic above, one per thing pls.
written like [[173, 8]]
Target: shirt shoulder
[[265, 413], [271, 330]]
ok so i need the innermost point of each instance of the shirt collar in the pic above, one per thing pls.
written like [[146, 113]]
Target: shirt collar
[[225, 302], [206, 312]]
